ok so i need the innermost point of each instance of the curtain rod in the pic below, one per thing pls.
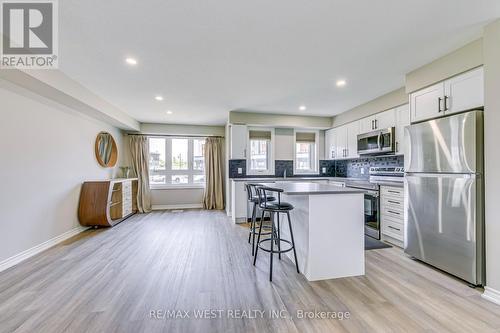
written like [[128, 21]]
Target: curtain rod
[[177, 135]]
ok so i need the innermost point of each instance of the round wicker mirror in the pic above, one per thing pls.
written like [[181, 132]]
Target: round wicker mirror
[[106, 151]]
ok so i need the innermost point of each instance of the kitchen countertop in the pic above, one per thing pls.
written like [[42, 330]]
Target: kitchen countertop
[[312, 188], [296, 179]]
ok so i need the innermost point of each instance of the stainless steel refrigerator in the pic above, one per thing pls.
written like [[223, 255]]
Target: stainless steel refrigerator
[[444, 184]]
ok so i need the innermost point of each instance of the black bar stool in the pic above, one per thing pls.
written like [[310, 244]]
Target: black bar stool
[[252, 196], [274, 208]]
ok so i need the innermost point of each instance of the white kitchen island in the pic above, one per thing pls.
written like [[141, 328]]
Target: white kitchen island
[[328, 228]]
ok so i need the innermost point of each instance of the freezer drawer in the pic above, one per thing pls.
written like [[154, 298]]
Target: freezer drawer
[[445, 223]]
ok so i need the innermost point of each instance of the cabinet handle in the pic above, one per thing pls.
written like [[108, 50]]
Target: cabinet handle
[[390, 226], [393, 191], [439, 104], [376, 125], [394, 202], [445, 103], [245, 153], [373, 124], [393, 212], [397, 147]]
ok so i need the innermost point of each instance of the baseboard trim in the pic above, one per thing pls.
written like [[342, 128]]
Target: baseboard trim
[[491, 295], [16, 259], [182, 206]]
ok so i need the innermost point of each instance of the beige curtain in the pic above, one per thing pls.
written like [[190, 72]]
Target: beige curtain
[[214, 174], [139, 149]]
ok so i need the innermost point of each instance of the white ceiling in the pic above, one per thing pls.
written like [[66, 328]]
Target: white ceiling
[[208, 57]]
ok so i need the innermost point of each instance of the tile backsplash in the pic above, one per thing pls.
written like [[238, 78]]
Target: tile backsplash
[[234, 165], [279, 168], [281, 165], [360, 167], [355, 168]]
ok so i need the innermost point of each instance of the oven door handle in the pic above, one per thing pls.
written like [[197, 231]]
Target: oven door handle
[[372, 193]]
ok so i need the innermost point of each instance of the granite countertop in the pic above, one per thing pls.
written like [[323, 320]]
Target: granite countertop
[[312, 188]]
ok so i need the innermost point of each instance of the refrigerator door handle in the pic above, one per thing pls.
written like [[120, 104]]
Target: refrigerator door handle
[[440, 175]]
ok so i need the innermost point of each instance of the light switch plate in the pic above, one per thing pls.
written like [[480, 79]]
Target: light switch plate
[[323, 170], [240, 171]]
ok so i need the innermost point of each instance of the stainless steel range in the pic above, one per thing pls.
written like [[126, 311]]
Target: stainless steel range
[[393, 176], [372, 206], [378, 176]]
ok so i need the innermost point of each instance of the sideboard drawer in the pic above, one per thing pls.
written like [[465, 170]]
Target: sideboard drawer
[[393, 229], [393, 191]]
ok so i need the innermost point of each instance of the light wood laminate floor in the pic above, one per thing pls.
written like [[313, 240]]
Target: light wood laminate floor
[[109, 280]]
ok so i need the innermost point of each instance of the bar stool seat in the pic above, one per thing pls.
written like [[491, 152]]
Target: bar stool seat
[[282, 206]]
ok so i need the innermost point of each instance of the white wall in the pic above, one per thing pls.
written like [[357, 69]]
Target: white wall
[[176, 129], [279, 120], [47, 151], [382, 103], [177, 198], [461, 60], [283, 142], [491, 42]]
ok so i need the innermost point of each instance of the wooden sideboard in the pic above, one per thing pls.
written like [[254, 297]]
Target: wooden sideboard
[[108, 202]]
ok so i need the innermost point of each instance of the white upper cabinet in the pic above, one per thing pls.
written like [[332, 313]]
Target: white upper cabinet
[[385, 119], [341, 147], [345, 140], [464, 92], [239, 136], [460, 93], [330, 144], [427, 103], [381, 120], [352, 139], [367, 125], [402, 120]]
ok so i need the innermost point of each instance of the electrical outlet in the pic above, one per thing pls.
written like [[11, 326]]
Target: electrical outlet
[[240, 171], [362, 170], [323, 170]]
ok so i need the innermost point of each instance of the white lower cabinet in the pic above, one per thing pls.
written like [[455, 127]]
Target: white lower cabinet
[[238, 201], [392, 214]]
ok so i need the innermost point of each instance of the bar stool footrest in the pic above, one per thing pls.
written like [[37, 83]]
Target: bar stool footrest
[[276, 250]]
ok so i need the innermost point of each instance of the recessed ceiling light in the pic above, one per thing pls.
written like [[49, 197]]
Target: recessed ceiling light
[[159, 98], [169, 112], [302, 108], [131, 61], [341, 83]]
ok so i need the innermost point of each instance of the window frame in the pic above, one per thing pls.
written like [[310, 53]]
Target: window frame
[[169, 172], [270, 155], [315, 169]]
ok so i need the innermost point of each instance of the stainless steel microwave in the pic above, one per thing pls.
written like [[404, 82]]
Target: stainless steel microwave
[[377, 142]]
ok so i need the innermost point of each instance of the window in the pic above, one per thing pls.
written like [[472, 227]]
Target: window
[[260, 143], [306, 146], [176, 162]]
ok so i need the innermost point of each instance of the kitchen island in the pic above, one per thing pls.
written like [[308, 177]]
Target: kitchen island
[[328, 228]]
